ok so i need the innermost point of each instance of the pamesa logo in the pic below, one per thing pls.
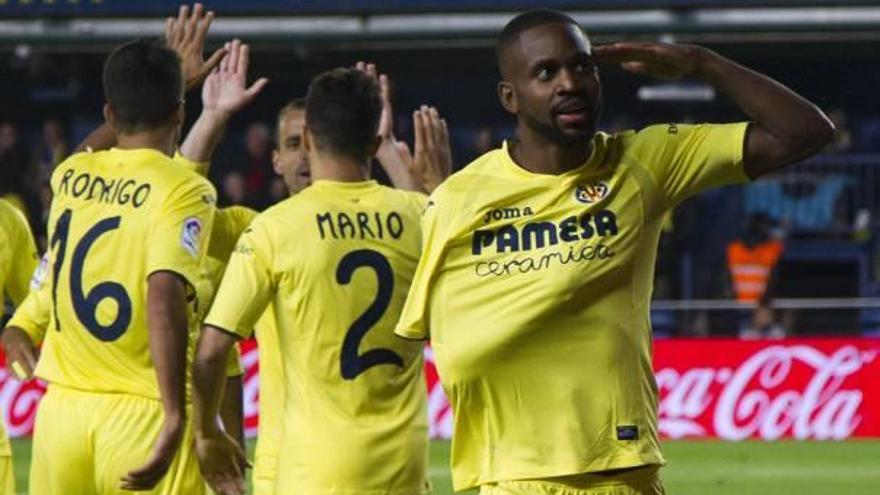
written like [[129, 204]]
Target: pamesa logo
[[592, 193]]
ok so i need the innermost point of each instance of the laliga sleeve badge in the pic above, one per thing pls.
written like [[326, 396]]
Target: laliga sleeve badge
[[189, 236], [592, 193]]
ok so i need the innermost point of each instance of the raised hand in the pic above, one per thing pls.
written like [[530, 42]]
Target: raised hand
[[386, 121], [225, 89], [659, 60], [186, 35], [432, 161]]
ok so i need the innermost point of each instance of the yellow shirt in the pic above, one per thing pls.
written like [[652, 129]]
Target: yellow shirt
[[18, 254], [117, 216], [535, 290], [18, 259], [229, 223], [336, 261]]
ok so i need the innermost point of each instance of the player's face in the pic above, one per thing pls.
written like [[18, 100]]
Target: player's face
[[555, 83], [289, 159]]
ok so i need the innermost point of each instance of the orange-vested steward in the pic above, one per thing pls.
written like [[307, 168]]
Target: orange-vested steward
[[750, 267]]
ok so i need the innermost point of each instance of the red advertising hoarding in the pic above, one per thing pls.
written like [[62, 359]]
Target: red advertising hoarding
[[817, 389]]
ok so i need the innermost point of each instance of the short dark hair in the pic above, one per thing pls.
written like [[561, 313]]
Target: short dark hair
[[342, 111], [526, 21], [143, 82]]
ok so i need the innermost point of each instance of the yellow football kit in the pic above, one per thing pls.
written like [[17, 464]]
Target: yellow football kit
[[18, 260], [535, 291], [336, 261], [229, 223], [117, 216], [271, 405]]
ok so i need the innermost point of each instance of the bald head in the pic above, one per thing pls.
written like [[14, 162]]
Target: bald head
[[510, 34]]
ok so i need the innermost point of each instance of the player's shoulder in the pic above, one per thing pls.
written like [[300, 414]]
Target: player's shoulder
[[412, 201], [471, 176], [11, 218]]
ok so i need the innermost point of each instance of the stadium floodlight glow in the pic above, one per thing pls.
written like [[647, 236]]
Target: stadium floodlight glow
[[789, 16]]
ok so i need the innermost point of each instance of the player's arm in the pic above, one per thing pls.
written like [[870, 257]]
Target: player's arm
[[185, 34], [29, 323], [167, 327], [244, 292], [786, 126], [232, 408], [178, 241], [223, 94], [26, 330]]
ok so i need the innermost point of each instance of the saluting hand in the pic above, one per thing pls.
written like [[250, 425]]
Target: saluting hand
[[659, 60]]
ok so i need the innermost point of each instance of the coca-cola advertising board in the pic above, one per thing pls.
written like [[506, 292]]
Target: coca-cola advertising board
[[818, 389]]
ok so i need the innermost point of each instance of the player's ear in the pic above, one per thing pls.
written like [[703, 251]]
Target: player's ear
[[307, 139], [179, 115], [108, 115], [374, 146], [276, 162], [507, 96]]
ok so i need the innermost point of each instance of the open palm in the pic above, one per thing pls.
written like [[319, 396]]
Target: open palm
[[225, 90]]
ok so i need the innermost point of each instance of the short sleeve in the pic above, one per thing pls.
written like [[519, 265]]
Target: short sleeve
[[686, 159], [414, 321], [247, 285], [200, 168], [179, 238]]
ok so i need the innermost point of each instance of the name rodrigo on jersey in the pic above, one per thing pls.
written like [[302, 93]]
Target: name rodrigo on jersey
[[88, 187]]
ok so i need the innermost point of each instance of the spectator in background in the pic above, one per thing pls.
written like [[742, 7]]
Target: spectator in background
[[752, 262], [234, 190], [54, 148], [258, 162], [485, 140], [15, 166]]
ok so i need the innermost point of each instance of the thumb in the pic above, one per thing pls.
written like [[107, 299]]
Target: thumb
[[256, 87], [213, 61]]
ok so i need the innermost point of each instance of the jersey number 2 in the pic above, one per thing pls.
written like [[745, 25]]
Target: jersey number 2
[[86, 305], [351, 363]]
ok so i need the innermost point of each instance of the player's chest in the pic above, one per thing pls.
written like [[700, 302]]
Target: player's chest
[[575, 232]]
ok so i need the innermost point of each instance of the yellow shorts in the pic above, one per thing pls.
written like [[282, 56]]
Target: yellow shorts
[[86, 442], [7, 476], [642, 481]]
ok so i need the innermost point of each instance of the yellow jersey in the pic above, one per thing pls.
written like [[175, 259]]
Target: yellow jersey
[[18, 260], [117, 216], [535, 292], [229, 223], [336, 261], [18, 254]]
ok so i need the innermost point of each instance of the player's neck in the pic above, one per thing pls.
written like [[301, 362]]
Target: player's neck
[[540, 155], [338, 169], [159, 140]]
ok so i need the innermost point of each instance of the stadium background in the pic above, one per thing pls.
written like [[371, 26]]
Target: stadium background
[[805, 406]]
